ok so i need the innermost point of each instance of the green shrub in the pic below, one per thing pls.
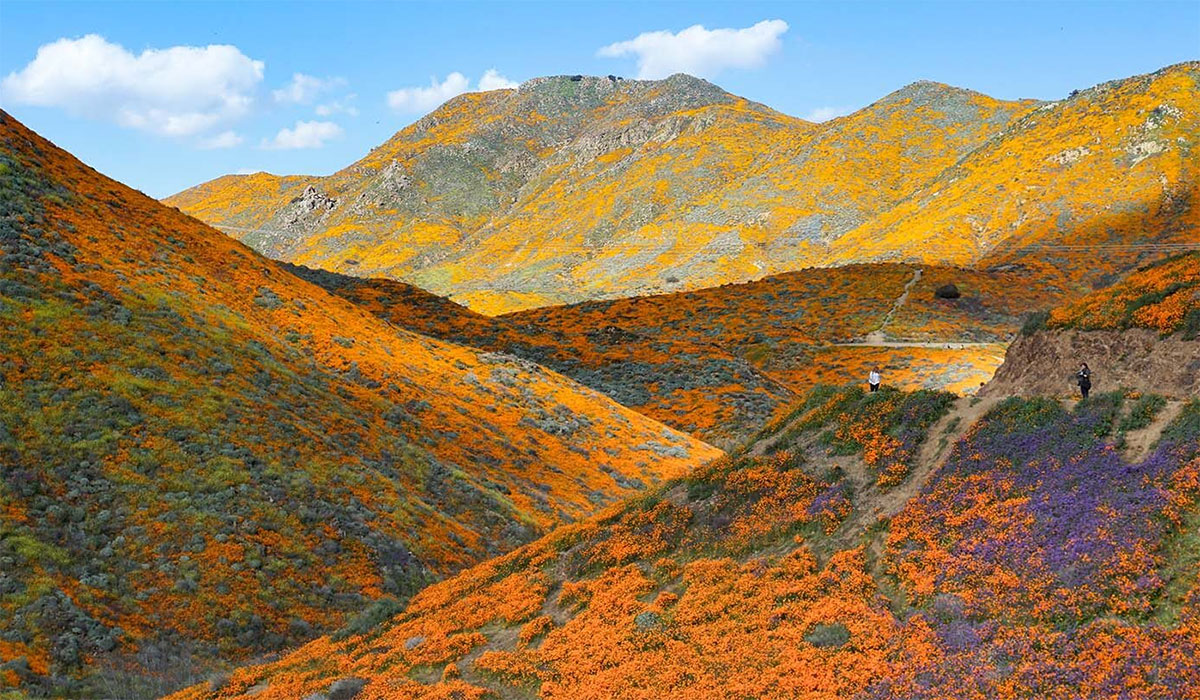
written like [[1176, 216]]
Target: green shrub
[[1035, 322], [1142, 413]]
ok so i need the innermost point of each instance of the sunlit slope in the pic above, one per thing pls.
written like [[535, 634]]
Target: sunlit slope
[[241, 201], [828, 560], [573, 188], [1163, 296], [1114, 164], [197, 447]]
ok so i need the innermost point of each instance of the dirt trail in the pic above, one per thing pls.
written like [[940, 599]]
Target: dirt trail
[[948, 345], [939, 442], [1139, 442], [877, 337]]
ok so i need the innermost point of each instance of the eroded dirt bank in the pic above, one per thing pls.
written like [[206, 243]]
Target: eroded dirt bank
[[1045, 362]]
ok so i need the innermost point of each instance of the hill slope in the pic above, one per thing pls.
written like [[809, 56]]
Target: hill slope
[[572, 188], [718, 363], [1081, 190], [1035, 562], [203, 453], [567, 190], [1142, 333]]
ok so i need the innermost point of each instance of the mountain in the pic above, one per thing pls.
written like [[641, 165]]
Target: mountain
[[718, 363], [842, 554], [576, 188], [203, 456], [572, 188], [1082, 189]]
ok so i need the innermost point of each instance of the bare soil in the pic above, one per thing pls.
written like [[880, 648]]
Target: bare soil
[[1044, 364]]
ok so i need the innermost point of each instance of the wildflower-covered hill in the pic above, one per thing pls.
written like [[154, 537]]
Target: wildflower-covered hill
[[834, 557], [719, 363], [1163, 297], [573, 187], [576, 188], [1061, 188], [203, 456], [1141, 333]]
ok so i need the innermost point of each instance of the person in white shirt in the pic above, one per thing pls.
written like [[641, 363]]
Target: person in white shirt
[[873, 379]]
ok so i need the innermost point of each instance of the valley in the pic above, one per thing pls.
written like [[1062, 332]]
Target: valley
[[559, 392]]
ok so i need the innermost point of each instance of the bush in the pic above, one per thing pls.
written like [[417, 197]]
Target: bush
[[1191, 325], [948, 291], [371, 617], [1035, 322], [826, 636], [1142, 413]]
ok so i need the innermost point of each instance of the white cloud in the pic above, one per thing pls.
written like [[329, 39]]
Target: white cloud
[[177, 91], [225, 139], [305, 88], [824, 114], [342, 105], [492, 80], [426, 99], [303, 135], [699, 51]]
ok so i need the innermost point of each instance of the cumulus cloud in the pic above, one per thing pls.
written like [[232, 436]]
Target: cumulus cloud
[[303, 89], [342, 105], [425, 99], [303, 135], [177, 91], [225, 139], [492, 80], [824, 114], [699, 51]]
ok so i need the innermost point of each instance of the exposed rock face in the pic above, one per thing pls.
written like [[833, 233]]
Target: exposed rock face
[[1045, 363], [310, 201]]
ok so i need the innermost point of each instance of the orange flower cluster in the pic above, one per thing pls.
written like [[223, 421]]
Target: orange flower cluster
[[1164, 297]]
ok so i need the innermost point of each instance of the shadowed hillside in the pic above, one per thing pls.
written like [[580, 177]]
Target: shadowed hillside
[[718, 363], [572, 188], [834, 558], [203, 456]]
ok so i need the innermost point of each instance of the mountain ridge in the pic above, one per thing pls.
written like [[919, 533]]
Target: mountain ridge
[[608, 182]]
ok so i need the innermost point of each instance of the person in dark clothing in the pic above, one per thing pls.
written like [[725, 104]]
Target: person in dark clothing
[[1084, 378]]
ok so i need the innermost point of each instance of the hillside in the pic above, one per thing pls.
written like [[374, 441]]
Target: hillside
[[1140, 333], [1163, 297], [573, 188], [206, 457], [718, 363], [834, 558], [1081, 190], [569, 189]]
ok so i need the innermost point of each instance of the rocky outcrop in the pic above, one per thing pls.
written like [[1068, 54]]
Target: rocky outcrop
[[1045, 362]]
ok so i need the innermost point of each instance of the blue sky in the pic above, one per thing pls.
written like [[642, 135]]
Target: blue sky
[[176, 117]]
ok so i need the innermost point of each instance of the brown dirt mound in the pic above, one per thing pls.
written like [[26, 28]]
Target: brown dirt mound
[[1044, 363]]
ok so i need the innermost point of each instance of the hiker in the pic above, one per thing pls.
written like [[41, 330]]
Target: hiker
[[873, 380], [1084, 378]]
